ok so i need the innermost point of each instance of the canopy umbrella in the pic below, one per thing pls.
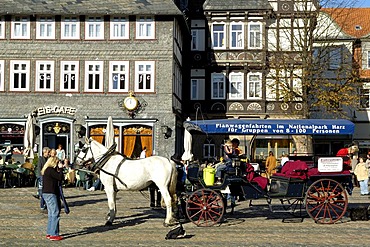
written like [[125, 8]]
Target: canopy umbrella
[[29, 138], [187, 155], [109, 133]]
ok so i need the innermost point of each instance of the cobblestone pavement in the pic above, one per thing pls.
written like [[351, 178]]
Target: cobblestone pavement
[[22, 224]]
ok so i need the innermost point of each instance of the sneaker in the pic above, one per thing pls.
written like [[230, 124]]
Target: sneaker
[[48, 236], [218, 182], [91, 189], [56, 238], [36, 196]]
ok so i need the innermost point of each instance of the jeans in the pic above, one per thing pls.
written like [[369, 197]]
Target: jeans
[[42, 201], [96, 183], [364, 186], [222, 168], [53, 204]]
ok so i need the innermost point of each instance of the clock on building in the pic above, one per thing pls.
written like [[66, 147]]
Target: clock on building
[[130, 103], [285, 6]]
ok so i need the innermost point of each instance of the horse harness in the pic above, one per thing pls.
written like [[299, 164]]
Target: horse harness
[[99, 164]]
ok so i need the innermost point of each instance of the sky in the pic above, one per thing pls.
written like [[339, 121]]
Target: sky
[[363, 4]]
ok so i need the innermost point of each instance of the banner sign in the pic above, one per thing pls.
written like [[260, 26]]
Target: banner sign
[[273, 126]]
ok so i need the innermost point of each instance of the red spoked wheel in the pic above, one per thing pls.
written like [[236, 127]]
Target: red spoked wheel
[[326, 201], [205, 207]]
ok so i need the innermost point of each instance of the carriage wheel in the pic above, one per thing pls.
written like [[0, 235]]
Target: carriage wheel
[[294, 206], [326, 201], [205, 207]]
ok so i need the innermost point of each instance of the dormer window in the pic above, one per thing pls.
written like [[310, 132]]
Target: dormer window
[[45, 28], [358, 27], [20, 28]]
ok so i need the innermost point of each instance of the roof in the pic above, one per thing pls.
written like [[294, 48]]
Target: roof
[[103, 7], [273, 126], [225, 5], [353, 21]]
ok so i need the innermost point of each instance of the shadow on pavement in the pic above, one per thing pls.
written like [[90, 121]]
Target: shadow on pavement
[[103, 228]]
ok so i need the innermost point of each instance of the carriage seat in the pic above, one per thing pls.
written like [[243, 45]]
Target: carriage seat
[[254, 177], [295, 169]]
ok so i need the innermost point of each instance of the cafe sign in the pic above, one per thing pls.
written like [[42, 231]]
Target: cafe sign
[[41, 111]]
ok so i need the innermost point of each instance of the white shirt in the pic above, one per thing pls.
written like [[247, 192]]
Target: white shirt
[[284, 160], [143, 154]]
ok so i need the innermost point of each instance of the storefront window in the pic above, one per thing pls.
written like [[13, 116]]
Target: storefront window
[[135, 138], [11, 134], [97, 132]]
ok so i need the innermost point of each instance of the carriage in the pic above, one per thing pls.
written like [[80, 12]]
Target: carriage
[[318, 185]]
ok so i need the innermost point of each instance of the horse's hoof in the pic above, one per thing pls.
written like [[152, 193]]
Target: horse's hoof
[[172, 223], [108, 223]]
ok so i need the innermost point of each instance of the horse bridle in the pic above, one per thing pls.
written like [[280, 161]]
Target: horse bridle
[[85, 151], [98, 165]]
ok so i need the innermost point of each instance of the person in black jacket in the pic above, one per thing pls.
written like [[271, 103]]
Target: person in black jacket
[[52, 173], [40, 164]]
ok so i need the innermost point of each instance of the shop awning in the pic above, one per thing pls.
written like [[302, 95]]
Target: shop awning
[[272, 126]]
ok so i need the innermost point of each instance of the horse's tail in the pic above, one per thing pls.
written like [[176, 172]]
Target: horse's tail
[[173, 182]]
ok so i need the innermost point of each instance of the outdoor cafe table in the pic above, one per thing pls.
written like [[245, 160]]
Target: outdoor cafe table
[[6, 171]]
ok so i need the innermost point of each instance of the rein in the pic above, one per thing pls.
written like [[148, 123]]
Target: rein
[[99, 164]]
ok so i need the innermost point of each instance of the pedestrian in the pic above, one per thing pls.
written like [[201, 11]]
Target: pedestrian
[[143, 153], [95, 185], [61, 154], [40, 164], [284, 159], [154, 196], [52, 173], [270, 164], [367, 162], [362, 175], [53, 152]]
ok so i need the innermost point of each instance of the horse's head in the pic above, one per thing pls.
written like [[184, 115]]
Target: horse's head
[[84, 154]]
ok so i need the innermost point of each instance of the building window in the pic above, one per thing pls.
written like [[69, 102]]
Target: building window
[[2, 28], [119, 28], [94, 76], [364, 98], [70, 28], [69, 77], [218, 35], [236, 85], [209, 151], [45, 76], [144, 76], [255, 35], [2, 75], [335, 58], [94, 28], [218, 86], [368, 59], [20, 28], [118, 76], [236, 35], [197, 89], [254, 86], [19, 75], [194, 40], [45, 28], [145, 28]]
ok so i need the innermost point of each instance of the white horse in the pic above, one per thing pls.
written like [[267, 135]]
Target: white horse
[[119, 173]]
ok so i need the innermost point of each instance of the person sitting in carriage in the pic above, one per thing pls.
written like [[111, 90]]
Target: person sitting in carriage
[[231, 150], [349, 154]]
